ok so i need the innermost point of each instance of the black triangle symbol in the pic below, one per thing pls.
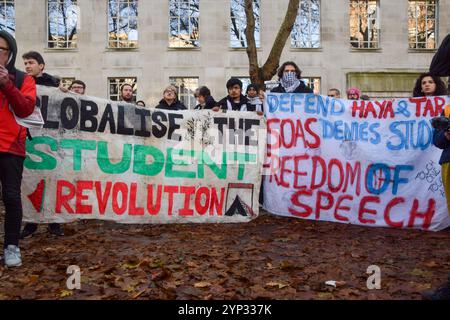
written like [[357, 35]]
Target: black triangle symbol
[[236, 208]]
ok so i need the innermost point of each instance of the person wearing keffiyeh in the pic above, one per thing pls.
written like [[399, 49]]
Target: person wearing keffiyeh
[[289, 75]]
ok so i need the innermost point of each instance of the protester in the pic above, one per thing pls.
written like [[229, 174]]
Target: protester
[[126, 93], [34, 66], [353, 93], [140, 103], [365, 97], [440, 66], [170, 100], [429, 85], [254, 98], [289, 75], [19, 101], [204, 99], [235, 100], [334, 93], [77, 86]]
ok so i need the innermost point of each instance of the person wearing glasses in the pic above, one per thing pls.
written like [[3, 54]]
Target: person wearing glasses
[[170, 100], [78, 86], [14, 102]]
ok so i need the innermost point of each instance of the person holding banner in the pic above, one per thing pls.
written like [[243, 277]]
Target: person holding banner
[[353, 93], [429, 85], [17, 100], [289, 75], [254, 98], [34, 66], [126, 93], [439, 67], [235, 101], [170, 100], [204, 99]]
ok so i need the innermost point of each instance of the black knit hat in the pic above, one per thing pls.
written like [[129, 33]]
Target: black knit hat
[[252, 86]]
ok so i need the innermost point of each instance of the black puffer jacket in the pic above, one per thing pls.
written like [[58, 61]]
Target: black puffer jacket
[[176, 105]]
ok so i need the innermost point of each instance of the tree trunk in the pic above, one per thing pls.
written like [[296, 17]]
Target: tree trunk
[[260, 74]]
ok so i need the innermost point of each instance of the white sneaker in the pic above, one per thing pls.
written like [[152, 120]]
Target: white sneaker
[[12, 256]]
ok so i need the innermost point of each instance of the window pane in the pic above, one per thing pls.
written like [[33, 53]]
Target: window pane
[[186, 88], [239, 23], [184, 23], [62, 24], [7, 16], [306, 30], [364, 30], [314, 83], [123, 23], [422, 17], [115, 84]]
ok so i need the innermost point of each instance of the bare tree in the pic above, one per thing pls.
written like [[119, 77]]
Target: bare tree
[[260, 74]]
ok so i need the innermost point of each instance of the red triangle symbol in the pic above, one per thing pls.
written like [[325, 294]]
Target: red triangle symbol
[[37, 197]]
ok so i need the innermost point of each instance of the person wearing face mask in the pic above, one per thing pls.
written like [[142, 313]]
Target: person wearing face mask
[[289, 75], [429, 85]]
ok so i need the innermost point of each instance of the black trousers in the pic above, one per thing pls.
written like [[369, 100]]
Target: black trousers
[[11, 168]]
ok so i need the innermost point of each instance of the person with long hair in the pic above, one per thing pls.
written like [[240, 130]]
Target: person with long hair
[[429, 85]]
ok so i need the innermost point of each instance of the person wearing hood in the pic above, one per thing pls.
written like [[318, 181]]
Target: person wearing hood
[[170, 100], [34, 66], [353, 93], [289, 75], [204, 99], [254, 98], [15, 102], [235, 101]]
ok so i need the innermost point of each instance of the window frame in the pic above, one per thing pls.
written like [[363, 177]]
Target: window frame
[[378, 30], [257, 21], [191, 40], [309, 35], [55, 42], [436, 26], [108, 40], [9, 18]]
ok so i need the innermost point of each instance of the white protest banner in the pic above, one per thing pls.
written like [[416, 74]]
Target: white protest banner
[[98, 159], [369, 163]]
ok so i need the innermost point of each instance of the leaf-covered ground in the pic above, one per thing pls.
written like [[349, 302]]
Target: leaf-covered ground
[[268, 258]]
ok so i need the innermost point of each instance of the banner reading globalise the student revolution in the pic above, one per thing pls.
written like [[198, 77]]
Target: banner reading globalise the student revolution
[[370, 163], [98, 159]]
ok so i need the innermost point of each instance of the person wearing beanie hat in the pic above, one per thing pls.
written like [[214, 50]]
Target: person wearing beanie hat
[[235, 101], [252, 93], [353, 93], [170, 100], [15, 102]]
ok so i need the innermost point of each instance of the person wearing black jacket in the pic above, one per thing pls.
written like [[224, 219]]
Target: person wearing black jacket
[[34, 66], [235, 101], [170, 100], [289, 75], [204, 98], [440, 67]]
